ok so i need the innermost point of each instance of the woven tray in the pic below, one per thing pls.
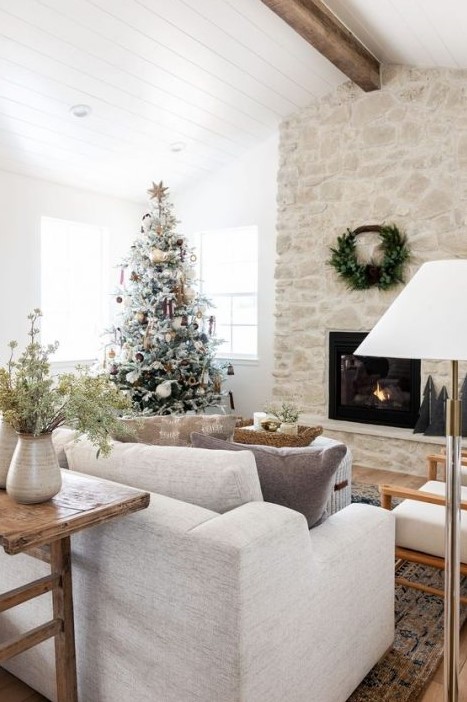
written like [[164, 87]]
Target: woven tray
[[274, 438]]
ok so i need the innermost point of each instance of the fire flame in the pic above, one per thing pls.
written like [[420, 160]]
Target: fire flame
[[382, 394]]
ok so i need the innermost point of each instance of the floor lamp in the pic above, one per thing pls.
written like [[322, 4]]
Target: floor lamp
[[428, 320]]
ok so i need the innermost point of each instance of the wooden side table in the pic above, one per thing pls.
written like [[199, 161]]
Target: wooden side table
[[44, 531]]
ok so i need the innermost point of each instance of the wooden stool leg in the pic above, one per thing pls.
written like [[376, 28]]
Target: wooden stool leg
[[65, 659]]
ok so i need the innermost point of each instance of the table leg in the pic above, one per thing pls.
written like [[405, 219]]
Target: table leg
[[65, 659]]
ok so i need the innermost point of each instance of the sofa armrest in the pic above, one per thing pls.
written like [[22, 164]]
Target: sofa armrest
[[284, 582]]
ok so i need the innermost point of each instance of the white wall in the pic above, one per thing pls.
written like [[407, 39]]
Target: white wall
[[22, 203], [243, 193]]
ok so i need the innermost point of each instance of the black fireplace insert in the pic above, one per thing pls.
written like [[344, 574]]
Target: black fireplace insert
[[370, 389]]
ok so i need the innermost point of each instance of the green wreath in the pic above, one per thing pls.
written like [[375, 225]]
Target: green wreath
[[361, 276]]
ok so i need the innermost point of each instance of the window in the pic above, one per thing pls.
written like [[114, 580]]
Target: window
[[73, 270], [229, 278]]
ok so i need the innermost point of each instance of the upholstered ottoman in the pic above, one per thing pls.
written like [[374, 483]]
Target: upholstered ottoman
[[420, 525]]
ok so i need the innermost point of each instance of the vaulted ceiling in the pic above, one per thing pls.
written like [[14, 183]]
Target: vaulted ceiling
[[178, 88]]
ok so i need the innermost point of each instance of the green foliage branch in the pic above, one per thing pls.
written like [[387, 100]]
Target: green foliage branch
[[286, 411], [34, 402], [361, 276]]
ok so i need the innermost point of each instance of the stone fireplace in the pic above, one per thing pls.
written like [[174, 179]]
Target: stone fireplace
[[368, 389], [398, 155]]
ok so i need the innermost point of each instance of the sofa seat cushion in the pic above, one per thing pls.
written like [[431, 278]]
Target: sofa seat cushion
[[420, 525], [175, 430], [216, 480], [299, 478]]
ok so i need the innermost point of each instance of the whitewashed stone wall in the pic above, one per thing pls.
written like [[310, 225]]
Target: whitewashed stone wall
[[398, 155]]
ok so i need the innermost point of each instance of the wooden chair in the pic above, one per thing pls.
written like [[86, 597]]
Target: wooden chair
[[436, 460], [420, 531]]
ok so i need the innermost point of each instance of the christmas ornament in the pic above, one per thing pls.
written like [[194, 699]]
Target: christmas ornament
[[139, 356], [158, 256], [111, 353], [147, 340], [146, 223], [168, 308], [164, 389], [191, 380], [113, 370], [119, 299], [200, 391], [179, 242], [178, 292], [230, 369], [189, 295], [193, 258], [157, 192], [212, 325], [134, 277], [177, 322], [132, 376], [141, 317]]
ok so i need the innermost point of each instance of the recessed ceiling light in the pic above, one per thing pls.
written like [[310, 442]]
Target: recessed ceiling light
[[177, 146], [80, 110]]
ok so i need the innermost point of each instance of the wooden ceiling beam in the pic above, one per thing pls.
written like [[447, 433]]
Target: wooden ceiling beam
[[320, 27]]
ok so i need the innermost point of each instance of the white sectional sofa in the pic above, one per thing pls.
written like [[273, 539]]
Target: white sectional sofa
[[231, 599]]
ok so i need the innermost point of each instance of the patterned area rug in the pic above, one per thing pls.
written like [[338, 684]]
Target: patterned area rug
[[368, 494], [403, 674]]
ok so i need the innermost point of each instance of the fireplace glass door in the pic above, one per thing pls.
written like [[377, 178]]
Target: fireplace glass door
[[370, 389]]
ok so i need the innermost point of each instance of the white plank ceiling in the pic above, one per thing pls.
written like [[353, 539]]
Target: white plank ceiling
[[214, 76]]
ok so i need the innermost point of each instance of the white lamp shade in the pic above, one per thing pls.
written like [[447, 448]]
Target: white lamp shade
[[428, 319]]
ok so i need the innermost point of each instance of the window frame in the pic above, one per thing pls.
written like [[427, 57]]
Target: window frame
[[63, 363], [231, 231]]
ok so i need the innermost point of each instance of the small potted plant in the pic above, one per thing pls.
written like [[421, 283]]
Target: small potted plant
[[287, 413], [34, 403]]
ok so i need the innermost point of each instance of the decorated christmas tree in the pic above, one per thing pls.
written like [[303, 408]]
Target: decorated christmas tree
[[163, 343]]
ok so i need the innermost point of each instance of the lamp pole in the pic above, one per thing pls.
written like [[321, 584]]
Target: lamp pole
[[452, 541]]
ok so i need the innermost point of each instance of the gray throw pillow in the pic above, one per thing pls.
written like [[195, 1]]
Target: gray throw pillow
[[299, 478]]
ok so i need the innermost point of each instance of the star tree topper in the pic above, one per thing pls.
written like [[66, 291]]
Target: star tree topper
[[157, 191]]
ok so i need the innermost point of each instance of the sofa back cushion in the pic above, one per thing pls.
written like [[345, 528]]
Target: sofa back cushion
[[60, 438], [299, 478], [176, 430], [216, 480]]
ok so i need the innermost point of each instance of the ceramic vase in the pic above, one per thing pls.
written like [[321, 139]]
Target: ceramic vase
[[8, 440], [289, 428], [34, 475]]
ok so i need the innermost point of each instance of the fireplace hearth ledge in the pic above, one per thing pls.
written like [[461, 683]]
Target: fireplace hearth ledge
[[378, 446], [381, 447], [378, 430]]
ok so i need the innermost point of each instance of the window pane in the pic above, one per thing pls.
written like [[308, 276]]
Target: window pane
[[224, 332], [244, 310], [72, 296], [244, 340], [222, 308], [229, 277]]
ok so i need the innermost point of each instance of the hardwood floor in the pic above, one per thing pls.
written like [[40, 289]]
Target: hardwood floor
[[13, 690]]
